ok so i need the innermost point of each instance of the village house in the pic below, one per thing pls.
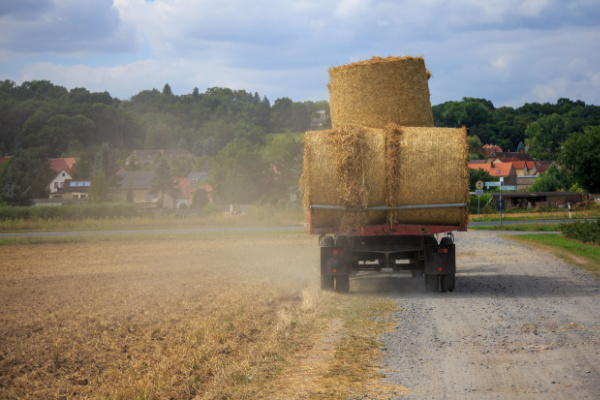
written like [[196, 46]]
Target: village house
[[498, 170], [72, 190], [63, 167], [139, 184], [149, 156]]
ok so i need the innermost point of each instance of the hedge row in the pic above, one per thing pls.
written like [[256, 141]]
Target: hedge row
[[71, 212], [588, 231]]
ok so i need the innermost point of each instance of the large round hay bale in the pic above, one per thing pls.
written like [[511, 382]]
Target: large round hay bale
[[344, 167], [427, 166], [380, 91]]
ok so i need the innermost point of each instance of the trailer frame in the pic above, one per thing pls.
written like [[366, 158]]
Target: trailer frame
[[409, 247]]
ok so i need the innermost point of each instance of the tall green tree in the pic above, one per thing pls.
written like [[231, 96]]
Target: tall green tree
[[99, 187], [83, 168], [162, 182], [552, 180], [27, 176], [239, 173], [284, 155], [105, 159], [581, 152], [546, 135]]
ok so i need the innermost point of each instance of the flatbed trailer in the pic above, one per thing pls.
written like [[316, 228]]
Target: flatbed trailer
[[403, 247]]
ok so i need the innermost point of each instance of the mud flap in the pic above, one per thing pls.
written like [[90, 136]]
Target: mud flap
[[440, 259]]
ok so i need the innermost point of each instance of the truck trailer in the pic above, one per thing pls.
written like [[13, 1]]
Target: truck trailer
[[414, 248]]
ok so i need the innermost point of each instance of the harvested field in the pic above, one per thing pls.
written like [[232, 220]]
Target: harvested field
[[202, 319]]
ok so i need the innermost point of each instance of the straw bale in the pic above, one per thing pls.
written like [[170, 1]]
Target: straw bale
[[427, 166], [344, 167], [379, 91]]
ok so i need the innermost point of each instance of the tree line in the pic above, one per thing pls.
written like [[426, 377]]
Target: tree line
[[567, 132], [251, 148]]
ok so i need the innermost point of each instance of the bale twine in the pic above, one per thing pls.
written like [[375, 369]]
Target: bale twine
[[380, 91], [344, 167], [427, 166]]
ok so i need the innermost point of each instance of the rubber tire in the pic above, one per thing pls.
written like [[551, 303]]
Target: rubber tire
[[326, 241], [430, 240], [416, 273], [446, 240], [432, 282], [448, 282], [327, 282], [342, 240], [342, 283]]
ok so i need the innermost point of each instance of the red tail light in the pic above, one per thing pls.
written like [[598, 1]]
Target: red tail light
[[442, 251], [338, 252]]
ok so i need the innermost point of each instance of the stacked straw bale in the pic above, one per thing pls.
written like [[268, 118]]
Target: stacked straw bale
[[380, 91], [344, 167], [355, 167], [427, 166], [384, 151]]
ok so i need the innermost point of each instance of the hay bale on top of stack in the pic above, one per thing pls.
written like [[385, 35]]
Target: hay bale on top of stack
[[383, 150], [380, 91]]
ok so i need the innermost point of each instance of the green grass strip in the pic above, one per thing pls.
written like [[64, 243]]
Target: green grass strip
[[583, 255], [519, 228]]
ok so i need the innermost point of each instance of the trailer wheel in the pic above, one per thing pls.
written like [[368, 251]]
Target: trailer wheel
[[432, 282], [326, 241], [417, 273], [342, 283], [448, 283], [446, 240], [326, 282], [430, 240]]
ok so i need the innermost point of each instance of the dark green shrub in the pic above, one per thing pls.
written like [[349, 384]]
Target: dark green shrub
[[71, 212], [587, 231]]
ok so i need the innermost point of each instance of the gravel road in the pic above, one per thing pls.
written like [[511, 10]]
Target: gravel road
[[521, 324]]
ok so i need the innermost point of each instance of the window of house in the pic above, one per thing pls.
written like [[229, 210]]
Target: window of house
[[75, 196], [63, 174], [55, 185]]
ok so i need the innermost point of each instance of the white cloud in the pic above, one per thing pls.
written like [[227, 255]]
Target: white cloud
[[65, 26], [504, 51]]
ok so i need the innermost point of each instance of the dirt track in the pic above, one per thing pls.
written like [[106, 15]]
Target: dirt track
[[520, 325]]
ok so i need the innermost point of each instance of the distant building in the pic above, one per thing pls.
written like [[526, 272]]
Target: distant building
[[498, 170], [148, 156], [72, 190], [58, 182], [317, 123]]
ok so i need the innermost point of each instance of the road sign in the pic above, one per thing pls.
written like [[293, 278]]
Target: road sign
[[479, 192], [508, 187], [479, 185], [490, 184]]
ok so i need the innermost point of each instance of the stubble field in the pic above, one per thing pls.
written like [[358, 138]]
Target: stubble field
[[193, 318]]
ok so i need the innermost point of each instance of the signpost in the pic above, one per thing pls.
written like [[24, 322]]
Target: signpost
[[478, 193], [500, 201], [490, 184]]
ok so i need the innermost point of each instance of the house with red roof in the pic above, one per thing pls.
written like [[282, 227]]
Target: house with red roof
[[498, 170], [64, 171], [524, 168], [183, 197], [489, 149], [63, 164]]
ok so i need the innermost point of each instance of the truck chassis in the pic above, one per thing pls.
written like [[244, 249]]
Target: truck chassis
[[413, 248]]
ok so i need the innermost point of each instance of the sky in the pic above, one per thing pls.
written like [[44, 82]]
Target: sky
[[511, 52]]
